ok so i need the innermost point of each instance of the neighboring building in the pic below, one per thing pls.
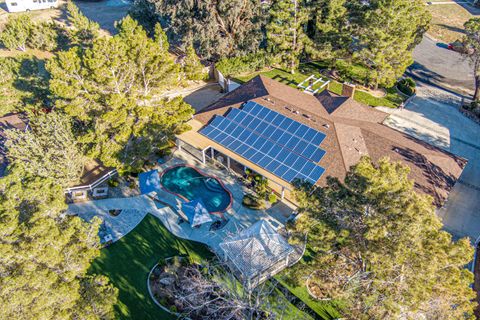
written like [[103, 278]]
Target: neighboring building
[[27, 5], [11, 121], [287, 122]]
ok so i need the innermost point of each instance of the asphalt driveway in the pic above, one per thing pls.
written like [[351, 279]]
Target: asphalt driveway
[[434, 63], [433, 116]]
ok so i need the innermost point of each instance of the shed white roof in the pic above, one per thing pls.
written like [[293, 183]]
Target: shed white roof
[[256, 249]]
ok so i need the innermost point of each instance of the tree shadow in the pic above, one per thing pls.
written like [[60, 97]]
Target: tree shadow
[[32, 80], [422, 73], [434, 175], [452, 28]]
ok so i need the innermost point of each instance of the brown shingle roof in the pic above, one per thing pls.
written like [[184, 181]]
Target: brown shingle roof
[[352, 130]]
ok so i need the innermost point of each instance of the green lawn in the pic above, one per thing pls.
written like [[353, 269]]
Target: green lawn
[[325, 309], [391, 100], [128, 261]]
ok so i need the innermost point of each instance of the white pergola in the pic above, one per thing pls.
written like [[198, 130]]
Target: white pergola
[[258, 253]]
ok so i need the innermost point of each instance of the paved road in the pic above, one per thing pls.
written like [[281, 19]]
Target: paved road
[[105, 13], [435, 63], [433, 117]]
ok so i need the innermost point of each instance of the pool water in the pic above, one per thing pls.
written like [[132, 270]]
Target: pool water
[[191, 184]]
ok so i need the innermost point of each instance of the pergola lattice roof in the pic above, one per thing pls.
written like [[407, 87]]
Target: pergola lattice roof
[[256, 249]]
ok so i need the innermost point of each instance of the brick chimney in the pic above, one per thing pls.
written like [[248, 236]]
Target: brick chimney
[[348, 90]]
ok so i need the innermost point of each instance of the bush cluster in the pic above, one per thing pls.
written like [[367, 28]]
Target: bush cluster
[[406, 86], [244, 64], [21, 32]]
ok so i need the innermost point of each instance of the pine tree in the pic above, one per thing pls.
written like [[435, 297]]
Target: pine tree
[[47, 149], [82, 30], [16, 32], [45, 255], [217, 28], [109, 90], [472, 44], [285, 31], [192, 67], [378, 247], [329, 26], [161, 38], [388, 30]]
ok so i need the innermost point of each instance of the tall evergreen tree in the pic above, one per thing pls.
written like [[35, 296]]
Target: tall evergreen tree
[[285, 31], [47, 149], [192, 67], [217, 28], [109, 90], [388, 30], [378, 246], [472, 44], [45, 255], [328, 28], [16, 32], [82, 30]]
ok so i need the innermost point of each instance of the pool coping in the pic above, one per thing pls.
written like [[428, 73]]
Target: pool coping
[[220, 213]]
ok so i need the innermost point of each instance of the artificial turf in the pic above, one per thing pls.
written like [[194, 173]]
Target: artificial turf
[[128, 261]]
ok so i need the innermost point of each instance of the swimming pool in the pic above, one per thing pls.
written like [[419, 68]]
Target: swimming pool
[[190, 184]]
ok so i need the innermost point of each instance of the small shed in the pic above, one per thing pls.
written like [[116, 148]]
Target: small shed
[[257, 253]]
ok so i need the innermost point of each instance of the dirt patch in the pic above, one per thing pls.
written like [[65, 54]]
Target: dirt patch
[[105, 12], [447, 21]]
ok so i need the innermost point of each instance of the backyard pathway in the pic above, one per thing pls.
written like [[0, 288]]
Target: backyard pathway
[[167, 207]]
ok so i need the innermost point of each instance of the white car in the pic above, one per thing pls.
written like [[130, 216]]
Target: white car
[[27, 5]]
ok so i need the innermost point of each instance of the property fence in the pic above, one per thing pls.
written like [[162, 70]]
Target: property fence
[[224, 82]]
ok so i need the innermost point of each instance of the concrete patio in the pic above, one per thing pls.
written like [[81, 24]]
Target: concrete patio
[[165, 206]]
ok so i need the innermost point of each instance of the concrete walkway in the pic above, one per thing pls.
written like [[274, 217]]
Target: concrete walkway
[[433, 116], [168, 206], [133, 211]]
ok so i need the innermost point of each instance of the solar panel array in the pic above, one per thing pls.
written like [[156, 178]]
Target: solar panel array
[[274, 142]]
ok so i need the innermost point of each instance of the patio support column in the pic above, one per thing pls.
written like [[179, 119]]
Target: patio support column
[[179, 145], [283, 192], [203, 156], [212, 153], [228, 163]]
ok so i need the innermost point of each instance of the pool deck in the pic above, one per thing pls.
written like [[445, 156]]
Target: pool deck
[[167, 209]]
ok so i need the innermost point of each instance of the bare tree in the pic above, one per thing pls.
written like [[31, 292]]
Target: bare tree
[[212, 291]]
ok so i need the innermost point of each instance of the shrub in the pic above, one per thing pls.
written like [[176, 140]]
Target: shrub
[[252, 202], [173, 309], [352, 72], [44, 36], [272, 198], [406, 86], [113, 183], [244, 64], [261, 186], [192, 67]]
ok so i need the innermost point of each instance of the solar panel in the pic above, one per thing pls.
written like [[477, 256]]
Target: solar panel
[[292, 141], [280, 145]]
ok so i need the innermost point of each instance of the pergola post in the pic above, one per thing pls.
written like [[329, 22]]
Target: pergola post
[[283, 192], [179, 145], [204, 160], [212, 153], [228, 162]]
